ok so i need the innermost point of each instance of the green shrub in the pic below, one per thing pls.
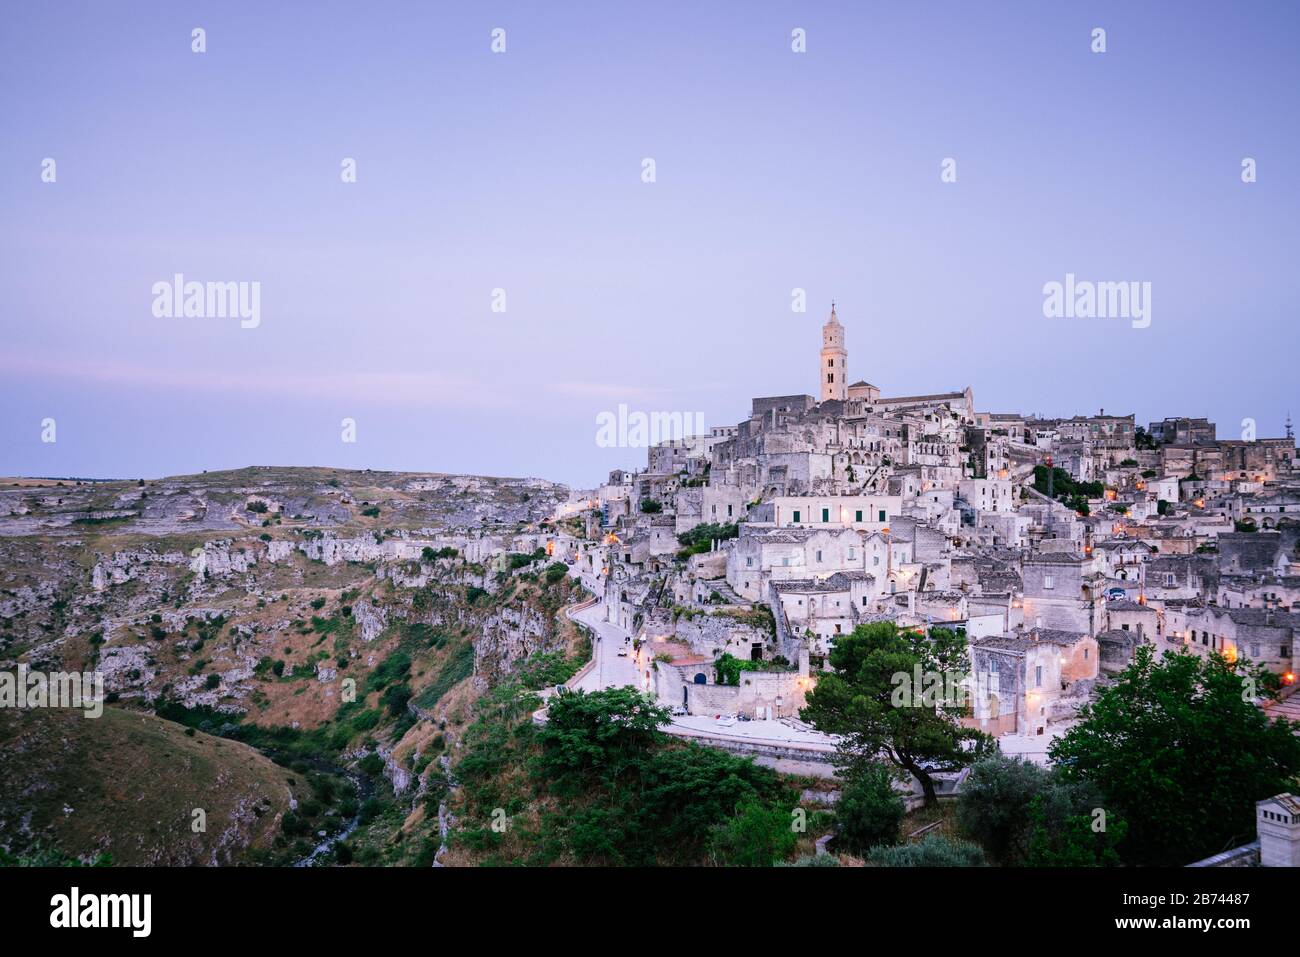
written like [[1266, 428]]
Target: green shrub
[[933, 851], [813, 860], [756, 836], [993, 805], [869, 812], [371, 765]]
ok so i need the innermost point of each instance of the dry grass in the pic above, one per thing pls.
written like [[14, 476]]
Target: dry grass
[[126, 784]]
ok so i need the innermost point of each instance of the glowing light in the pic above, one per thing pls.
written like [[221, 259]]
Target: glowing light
[[1288, 678]]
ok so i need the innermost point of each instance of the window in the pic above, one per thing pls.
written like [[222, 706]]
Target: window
[[857, 516], [1038, 676], [830, 363], [882, 516], [1284, 651], [830, 377], [1254, 649], [875, 560], [796, 515], [749, 561], [819, 554], [1048, 582], [729, 511], [994, 666], [826, 515]]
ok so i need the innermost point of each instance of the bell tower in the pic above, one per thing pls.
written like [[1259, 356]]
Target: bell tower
[[834, 368]]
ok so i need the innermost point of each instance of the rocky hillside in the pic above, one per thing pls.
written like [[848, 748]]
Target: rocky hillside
[[340, 624]]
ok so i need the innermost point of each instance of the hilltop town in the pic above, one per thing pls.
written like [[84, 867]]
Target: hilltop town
[[1058, 545], [365, 628]]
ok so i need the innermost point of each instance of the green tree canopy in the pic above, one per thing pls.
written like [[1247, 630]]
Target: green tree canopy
[[869, 811], [858, 700], [605, 731], [1179, 748]]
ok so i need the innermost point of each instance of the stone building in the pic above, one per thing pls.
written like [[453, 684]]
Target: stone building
[[1022, 682]]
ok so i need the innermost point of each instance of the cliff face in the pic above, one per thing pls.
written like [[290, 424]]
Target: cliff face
[[507, 638]]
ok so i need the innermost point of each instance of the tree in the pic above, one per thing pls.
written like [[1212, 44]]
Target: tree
[[1025, 814], [869, 811], [728, 668], [683, 793], [1179, 749], [917, 732], [994, 803], [1062, 832], [756, 836], [604, 732]]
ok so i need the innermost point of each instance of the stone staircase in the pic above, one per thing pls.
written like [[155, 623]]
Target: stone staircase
[[726, 591]]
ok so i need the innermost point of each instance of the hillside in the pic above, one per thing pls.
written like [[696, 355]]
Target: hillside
[[335, 626], [126, 785]]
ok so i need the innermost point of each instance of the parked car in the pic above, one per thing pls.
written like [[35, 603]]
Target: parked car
[[678, 711], [622, 652]]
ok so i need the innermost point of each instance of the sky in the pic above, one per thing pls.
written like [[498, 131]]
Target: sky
[[518, 178]]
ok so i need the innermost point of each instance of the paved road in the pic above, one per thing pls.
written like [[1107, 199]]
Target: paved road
[[611, 671], [759, 732]]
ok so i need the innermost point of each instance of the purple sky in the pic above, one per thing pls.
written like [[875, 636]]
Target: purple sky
[[775, 170]]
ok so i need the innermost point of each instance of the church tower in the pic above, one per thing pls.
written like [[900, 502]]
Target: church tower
[[835, 360]]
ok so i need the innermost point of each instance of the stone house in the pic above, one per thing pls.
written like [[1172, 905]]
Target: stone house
[[1022, 682]]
